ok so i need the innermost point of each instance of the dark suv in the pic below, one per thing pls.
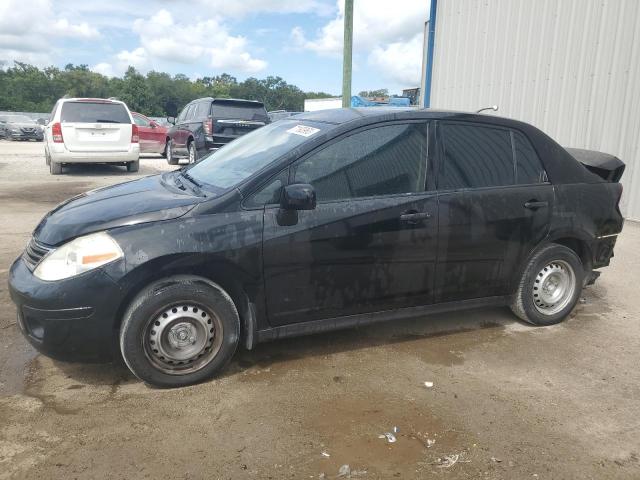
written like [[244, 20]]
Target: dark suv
[[326, 220], [209, 123]]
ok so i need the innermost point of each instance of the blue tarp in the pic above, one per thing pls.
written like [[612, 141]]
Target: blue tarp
[[358, 101]]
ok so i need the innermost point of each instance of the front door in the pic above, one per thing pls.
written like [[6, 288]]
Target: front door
[[495, 203], [370, 244]]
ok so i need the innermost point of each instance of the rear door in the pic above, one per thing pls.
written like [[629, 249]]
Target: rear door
[[495, 205], [370, 244], [145, 133], [95, 126]]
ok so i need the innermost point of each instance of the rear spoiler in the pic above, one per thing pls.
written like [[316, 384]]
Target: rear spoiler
[[606, 166]]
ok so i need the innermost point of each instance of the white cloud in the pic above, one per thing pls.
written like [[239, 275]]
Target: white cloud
[[391, 39], [400, 62], [209, 41], [104, 69], [28, 39], [239, 8]]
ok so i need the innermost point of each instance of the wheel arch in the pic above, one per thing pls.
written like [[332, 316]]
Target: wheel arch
[[228, 276], [575, 241]]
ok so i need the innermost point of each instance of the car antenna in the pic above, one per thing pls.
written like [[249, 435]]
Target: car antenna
[[492, 107]]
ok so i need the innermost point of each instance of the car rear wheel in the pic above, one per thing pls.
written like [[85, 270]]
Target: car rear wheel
[[55, 168], [193, 152], [171, 159], [133, 166], [179, 331], [550, 286]]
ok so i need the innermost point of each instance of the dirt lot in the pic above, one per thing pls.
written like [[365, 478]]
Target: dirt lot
[[509, 401]]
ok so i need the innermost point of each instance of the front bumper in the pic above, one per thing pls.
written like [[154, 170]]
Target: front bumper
[[26, 136], [72, 319]]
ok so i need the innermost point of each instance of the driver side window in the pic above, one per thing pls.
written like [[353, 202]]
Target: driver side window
[[384, 160]]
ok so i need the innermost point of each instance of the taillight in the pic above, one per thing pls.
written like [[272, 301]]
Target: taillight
[[208, 126], [135, 138], [56, 133]]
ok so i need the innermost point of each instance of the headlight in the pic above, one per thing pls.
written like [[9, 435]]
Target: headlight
[[79, 256]]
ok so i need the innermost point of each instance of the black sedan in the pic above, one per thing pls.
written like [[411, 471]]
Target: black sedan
[[327, 220]]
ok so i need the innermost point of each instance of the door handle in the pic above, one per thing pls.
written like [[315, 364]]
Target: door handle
[[534, 204], [414, 217]]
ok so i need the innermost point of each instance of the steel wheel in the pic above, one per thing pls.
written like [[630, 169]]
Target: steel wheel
[[554, 287], [183, 338]]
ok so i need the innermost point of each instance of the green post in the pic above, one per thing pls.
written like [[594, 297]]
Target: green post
[[348, 47]]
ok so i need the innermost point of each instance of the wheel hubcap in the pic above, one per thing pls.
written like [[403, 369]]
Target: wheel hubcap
[[554, 287], [183, 338]]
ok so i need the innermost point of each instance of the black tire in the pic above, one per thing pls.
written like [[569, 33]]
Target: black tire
[[192, 151], [133, 166], [538, 308], [175, 294], [163, 154], [171, 158], [55, 168]]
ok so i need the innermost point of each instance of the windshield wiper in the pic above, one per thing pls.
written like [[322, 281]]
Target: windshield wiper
[[197, 187]]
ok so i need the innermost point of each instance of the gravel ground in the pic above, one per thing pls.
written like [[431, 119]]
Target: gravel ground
[[508, 401]]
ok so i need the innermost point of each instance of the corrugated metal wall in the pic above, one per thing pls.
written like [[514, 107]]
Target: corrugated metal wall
[[569, 67]]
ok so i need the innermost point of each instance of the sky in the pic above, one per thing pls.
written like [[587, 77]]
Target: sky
[[299, 40]]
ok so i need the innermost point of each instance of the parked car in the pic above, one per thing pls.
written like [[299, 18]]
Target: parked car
[[153, 136], [91, 130], [276, 115], [209, 123], [20, 127], [331, 219]]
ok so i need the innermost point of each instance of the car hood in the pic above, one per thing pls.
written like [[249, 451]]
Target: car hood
[[148, 199]]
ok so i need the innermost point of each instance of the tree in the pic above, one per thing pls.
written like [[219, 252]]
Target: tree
[[382, 92], [27, 88]]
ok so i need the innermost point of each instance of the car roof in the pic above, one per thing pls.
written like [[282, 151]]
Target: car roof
[[239, 100], [92, 100], [340, 116]]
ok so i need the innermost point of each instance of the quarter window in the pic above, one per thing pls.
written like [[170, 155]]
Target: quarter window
[[529, 169], [476, 157], [380, 161]]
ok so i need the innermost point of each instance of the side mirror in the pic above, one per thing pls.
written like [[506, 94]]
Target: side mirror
[[298, 196], [153, 125], [171, 120]]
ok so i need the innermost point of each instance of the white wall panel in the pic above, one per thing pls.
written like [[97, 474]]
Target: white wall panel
[[569, 67]]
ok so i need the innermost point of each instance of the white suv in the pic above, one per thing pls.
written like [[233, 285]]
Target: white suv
[[91, 130]]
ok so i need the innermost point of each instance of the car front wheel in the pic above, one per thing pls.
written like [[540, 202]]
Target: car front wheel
[[193, 152], [179, 331], [550, 286], [171, 158]]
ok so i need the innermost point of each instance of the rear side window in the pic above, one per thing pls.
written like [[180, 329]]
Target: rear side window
[[380, 161], [529, 169], [238, 111], [141, 121], [475, 157], [90, 112], [203, 110]]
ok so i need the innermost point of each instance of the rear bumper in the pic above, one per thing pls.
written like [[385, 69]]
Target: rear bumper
[[217, 141], [70, 319], [60, 154]]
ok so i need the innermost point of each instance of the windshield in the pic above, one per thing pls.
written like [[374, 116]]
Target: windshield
[[16, 119], [250, 153]]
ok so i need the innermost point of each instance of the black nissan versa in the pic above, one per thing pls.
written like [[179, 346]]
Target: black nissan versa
[[327, 220]]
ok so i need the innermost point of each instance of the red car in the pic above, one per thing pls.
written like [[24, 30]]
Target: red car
[[153, 136]]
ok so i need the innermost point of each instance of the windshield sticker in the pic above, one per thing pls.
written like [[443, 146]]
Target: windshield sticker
[[303, 130]]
